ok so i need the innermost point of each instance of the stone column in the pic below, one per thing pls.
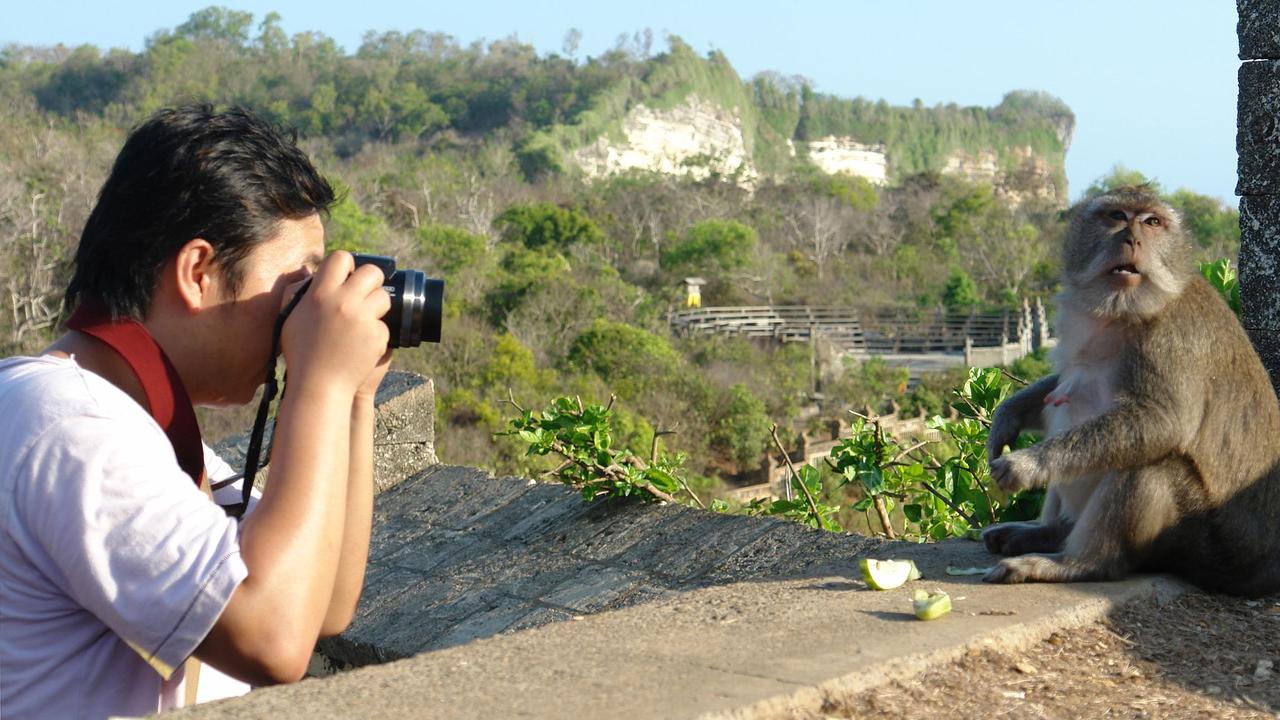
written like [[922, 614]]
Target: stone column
[[1258, 147]]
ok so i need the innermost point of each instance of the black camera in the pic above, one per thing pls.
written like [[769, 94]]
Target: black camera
[[416, 302]]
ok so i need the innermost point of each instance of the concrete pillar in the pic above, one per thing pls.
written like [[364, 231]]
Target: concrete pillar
[[1258, 148], [1042, 326]]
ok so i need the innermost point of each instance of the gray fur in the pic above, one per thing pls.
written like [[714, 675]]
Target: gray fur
[[1166, 455]]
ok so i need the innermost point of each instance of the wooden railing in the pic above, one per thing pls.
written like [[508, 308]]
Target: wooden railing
[[874, 331]]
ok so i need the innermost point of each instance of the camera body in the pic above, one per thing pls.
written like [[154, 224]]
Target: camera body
[[416, 302]]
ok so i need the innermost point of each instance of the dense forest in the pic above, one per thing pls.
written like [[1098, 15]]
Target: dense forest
[[455, 159]]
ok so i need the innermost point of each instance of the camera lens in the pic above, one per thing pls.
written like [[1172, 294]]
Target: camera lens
[[416, 303]]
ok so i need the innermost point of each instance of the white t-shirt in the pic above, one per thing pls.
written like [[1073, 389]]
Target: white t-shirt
[[113, 564]]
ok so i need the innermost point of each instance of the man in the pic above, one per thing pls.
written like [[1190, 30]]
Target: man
[[115, 567]]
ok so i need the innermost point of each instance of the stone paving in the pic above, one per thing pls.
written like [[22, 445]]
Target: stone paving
[[457, 555]]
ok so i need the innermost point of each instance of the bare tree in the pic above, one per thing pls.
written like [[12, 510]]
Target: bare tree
[[818, 227], [547, 322], [29, 284]]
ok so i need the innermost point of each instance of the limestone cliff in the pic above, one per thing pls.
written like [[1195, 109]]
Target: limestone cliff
[[696, 137], [690, 115]]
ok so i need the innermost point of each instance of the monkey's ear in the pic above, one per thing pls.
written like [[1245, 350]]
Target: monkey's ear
[[195, 277]]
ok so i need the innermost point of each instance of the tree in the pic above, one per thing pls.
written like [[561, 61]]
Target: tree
[[742, 428], [714, 244], [219, 24], [544, 225], [350, 228], [453, 248], [1121, 176], [1211, 223], [634, 362], [271, 37], [961, 292], [817, 229]]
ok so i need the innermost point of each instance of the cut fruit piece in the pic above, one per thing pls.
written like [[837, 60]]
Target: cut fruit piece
[[887, 574], [931, 606]]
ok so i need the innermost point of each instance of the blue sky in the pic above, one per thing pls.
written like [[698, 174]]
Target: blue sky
[[1153, 84]]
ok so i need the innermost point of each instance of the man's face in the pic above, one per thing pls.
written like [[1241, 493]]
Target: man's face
[[244, 323]]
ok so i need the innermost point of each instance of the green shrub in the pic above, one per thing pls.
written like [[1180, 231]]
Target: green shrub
[[742, 430], [452, 248], [543, 225]]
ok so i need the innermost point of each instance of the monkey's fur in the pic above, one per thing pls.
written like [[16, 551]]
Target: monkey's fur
[[1162, 446]]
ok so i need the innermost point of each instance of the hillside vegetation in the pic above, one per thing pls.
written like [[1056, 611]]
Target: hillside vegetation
[[456, 159]]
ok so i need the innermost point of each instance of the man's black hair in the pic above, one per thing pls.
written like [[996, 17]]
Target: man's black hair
[[228, 177]]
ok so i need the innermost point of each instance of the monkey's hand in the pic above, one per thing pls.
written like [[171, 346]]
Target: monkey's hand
[[1004, 431], [1021, 470]]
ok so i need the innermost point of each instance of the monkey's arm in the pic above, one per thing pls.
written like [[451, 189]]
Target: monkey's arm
[[1019, 412], [1137, 431]]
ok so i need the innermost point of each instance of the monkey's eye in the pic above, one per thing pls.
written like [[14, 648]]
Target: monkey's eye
[[1118, 215], [1152, 221]]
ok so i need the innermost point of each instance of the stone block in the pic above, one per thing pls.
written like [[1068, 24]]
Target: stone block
[[632, 524], [404, 436], [1259, 29], [1267, 343], [1260, 261], [708, 542], [593, 588], [1258, 128], [475, 496]]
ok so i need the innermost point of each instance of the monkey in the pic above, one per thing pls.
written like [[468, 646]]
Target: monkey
[[1161, 447]]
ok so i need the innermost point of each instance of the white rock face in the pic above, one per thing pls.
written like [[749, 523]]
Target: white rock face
[[695, 138], [982, 168], [698, 138], [1033, 172], [835, 155]]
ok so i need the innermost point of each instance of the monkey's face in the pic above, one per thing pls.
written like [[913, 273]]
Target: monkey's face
[[1125, 254]]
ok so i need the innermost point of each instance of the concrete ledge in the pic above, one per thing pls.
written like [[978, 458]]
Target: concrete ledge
[[1258, 29], [766, 649], [457, 554], [1258, 128]]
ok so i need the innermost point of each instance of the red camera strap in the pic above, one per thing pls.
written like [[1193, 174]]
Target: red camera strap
[[167, 398]]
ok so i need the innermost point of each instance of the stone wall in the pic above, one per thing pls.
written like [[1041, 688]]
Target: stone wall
[[1258, 146]]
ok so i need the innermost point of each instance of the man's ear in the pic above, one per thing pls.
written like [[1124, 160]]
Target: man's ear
[[195, 275]]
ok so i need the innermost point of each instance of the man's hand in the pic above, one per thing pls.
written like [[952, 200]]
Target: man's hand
[[369, 388], [336, 331]]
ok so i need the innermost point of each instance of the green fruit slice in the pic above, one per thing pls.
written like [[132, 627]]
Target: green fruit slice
[[931, 606], [887, 574]]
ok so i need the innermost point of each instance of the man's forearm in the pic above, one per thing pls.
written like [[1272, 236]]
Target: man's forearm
[[291, 543], [358, 518]]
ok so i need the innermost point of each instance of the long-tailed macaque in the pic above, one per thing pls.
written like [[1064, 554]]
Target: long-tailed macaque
[[1162, 430]]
